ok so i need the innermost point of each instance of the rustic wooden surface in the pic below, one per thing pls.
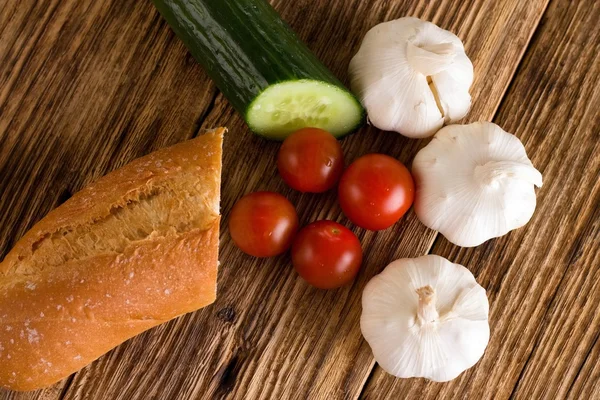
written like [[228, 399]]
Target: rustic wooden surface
[[86, 86]]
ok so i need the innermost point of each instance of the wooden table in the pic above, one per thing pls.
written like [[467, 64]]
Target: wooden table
[[86, 86]]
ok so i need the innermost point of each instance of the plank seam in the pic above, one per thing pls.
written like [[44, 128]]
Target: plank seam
[[67, 386], [366, 381], [205, 114], [530, 41]]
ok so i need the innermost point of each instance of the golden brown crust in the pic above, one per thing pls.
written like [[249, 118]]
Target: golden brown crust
[[131, 251]]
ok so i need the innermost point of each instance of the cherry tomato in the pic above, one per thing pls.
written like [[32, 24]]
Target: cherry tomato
[[376, 191], [326, 254], [263, 224], [310, 160]]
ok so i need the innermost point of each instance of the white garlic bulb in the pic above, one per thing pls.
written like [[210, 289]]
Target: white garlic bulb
[[474, 182], [425, 317], [412, 77]]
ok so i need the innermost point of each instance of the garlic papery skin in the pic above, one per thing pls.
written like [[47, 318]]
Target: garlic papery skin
[[474, 182], [425, 317], [412, 77]]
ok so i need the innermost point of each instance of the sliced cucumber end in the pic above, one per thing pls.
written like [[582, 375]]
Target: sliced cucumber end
[[287, 106]]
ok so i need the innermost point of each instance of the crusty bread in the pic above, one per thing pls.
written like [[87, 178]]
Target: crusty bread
[[131, 251]]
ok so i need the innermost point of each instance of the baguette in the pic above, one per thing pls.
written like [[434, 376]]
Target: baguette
[[129, 252]]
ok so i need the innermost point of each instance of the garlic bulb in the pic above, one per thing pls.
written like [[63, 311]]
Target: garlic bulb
[[474, 182], [412, 77], [425, 317]]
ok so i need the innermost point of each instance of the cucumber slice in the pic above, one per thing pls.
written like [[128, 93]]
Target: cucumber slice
[[263, 69], [285, 107]]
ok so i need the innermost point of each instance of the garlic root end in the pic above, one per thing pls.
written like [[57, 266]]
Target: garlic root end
[[426, 312]]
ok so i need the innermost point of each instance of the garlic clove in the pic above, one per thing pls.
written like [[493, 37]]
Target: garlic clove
[[473, 347], [411, 76], [425, 317], [449, 86], [474, 183]]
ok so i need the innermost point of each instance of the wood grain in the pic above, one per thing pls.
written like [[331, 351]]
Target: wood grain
[[587, 382], [87, 86], [278, 337], [72, 108], [52, 393], [542, 280]]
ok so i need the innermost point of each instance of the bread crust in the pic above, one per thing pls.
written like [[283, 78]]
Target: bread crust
[[130, 251]]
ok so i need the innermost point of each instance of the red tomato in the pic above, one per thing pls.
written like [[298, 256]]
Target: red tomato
[[263, 224], [310, 160], [376, 191], [326, 254]]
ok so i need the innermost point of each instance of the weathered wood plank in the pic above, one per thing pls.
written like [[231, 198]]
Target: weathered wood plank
[[51, 393], [587, 382], [101, 88], [269, 334], [542, 280], [85, 86]]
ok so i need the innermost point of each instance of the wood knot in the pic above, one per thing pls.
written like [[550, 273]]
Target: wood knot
[[226, 314]]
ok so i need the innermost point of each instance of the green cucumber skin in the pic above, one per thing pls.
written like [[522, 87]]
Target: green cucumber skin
[[244, 46]]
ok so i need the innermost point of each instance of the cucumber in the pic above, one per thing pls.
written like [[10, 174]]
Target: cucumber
[[264, 70]]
